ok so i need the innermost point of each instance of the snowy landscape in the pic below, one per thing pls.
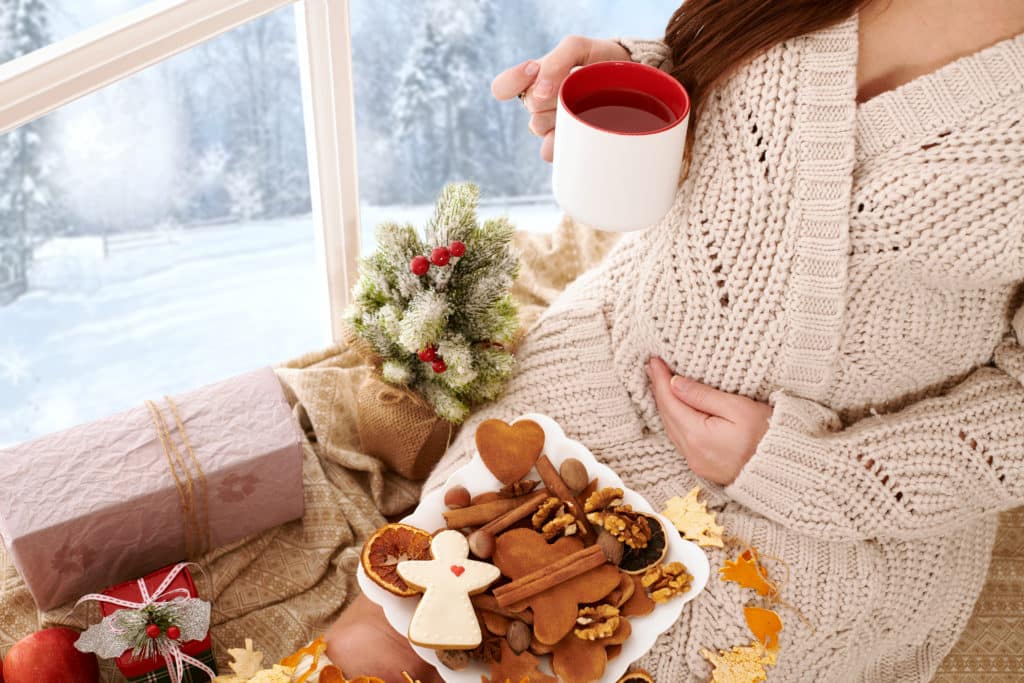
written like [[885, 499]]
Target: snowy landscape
[[180, 311], [155, 235]]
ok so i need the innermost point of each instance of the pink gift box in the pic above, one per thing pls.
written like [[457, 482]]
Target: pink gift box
[[98, 504]]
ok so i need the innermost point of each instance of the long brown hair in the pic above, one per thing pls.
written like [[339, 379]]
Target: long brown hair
[[709, 39]]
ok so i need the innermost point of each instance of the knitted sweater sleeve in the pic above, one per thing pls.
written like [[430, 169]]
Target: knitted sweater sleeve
[[909, 474], [651, 52]]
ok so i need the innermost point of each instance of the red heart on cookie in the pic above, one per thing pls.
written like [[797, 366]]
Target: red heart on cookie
[[509, 451], [457, 570]]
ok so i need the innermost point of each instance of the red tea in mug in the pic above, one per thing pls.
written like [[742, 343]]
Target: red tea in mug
[[624, 111]]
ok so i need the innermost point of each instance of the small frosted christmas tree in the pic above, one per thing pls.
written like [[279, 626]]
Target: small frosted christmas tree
[[437, 311]]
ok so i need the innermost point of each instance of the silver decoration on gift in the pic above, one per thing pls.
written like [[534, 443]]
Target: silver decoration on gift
[[120, 631]]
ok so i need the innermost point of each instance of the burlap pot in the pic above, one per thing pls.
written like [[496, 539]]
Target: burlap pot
[[401, 429]]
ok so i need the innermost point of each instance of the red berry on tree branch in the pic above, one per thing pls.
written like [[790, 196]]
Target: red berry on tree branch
[[173, 632], [428, 354], [439, 366], [153, 631], [419, 265], [457, 248], [440, 256]]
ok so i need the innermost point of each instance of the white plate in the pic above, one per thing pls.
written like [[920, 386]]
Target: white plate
[[477, 478]]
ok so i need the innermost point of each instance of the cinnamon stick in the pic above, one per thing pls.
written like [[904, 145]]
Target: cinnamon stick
[[482, 513], [535, 583], [529, 505], [557, 486]]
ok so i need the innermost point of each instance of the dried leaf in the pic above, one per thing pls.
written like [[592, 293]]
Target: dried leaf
[[746, 571], [247, 662], [765, 624], [691, 517], [741, 664]]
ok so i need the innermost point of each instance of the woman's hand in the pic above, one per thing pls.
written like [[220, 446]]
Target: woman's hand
[[716, 432], [362, 643], [541, 79]]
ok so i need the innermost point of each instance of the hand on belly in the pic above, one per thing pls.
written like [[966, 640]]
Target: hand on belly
[[715, 431]]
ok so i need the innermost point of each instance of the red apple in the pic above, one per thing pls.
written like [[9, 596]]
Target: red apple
[[49, 656]]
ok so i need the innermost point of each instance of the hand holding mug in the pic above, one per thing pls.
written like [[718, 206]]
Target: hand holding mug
[[541, 79]]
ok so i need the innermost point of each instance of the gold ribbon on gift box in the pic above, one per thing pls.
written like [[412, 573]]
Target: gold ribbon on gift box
[[189, 479]]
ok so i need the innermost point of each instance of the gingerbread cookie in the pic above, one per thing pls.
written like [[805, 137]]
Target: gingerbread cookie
[[578, 660], [639, 603], [509, 666], [444, 617], [509, 451], [521, 552]]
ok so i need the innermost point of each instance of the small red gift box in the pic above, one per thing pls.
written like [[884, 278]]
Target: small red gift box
[[134, 668]]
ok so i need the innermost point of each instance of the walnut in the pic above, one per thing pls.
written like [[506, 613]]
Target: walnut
[[595, 623], [665, 581], [602, 499], [547, 510], [562, 525], [519, 488], [630, 527], [552, 520]]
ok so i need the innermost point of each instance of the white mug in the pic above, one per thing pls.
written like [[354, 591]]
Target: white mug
[[620, 133]]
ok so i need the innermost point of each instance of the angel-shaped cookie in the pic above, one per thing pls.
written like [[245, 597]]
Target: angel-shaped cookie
[[444, 617]]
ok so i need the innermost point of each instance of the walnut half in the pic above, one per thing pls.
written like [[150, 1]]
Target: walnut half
[[553, 521], [603, 499], [595, 623], [623, 523], [665, 581]]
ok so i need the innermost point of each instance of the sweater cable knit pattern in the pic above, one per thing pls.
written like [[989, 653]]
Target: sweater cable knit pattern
[[860, 268]]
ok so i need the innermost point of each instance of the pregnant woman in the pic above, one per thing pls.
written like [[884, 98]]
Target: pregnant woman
[[825, 332]]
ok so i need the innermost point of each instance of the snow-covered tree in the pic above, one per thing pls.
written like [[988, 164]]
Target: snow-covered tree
[[422, 79], [248, 80], [26, 195], [243, 189], [420, 115]]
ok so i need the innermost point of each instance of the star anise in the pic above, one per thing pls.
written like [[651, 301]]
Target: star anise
[[518, 488]]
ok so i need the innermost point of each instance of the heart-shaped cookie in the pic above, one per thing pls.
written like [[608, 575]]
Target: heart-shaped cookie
[[509, 451]]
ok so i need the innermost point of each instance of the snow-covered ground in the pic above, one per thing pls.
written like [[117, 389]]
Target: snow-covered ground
[[97, 334]]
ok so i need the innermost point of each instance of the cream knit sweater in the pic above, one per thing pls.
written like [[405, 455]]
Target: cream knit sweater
[[859, 267]]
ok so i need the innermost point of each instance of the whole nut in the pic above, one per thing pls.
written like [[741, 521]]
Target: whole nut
[[456, 660], [518, 636], [481, 544], [611, 546], [457, 497], [574, 474]]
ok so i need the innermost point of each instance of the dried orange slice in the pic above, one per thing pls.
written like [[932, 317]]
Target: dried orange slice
[[389, 545]]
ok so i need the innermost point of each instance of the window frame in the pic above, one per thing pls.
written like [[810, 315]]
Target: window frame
[[38, 83]]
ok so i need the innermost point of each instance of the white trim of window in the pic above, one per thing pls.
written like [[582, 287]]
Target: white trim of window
[[325, 46], [46, 79]]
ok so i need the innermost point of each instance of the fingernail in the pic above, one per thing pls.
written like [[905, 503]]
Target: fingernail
[[679, 382], [543, 89], [531, 68]]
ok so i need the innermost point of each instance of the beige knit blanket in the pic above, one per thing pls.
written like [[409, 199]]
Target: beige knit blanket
[[284, 587]]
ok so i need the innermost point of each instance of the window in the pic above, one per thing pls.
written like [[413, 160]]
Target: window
[[424, 113], [161, 226], [155, 235]]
